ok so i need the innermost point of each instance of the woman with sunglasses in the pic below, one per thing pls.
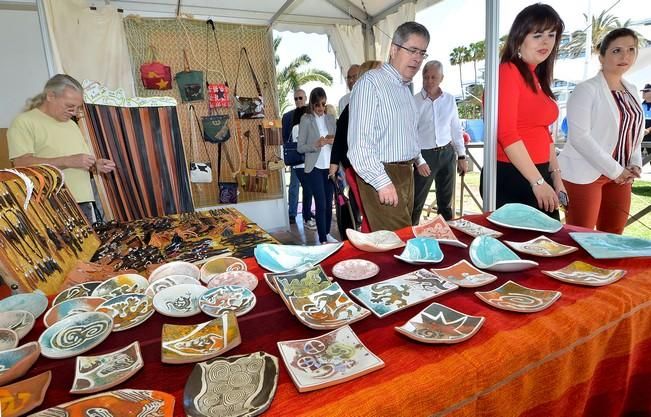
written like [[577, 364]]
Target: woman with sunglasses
[[315, 136]]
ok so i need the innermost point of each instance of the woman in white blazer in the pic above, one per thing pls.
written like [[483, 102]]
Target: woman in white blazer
[[316, 133], [603, 156]]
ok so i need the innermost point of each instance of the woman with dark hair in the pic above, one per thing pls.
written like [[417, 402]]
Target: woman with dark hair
[[527, 169], [315, 136], [299, 170], [603, 154]]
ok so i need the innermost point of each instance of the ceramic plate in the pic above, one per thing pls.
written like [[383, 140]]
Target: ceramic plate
[[327, 309], [99, 373], [121, 284], [23, 396], [489, 253], [441, 324], [8, 340], [219, 300], [269, 276], [175, 268], [218, 265], [612, 246], [472, 229], [301, 284], [283, 258], [34, 302], [438, 229], [128, 310], [19, 321], [169, 281], [355, 269], [380, 241], [465, 275], [582, 273], [75, 335], [327, 360], [71, 307], [199, 342], [180, 300], [240, 278], [124, 402], [16, 362], [522, 216], [80, 290], [542, 246], [394, 294], [515, 297], [234, 386], [421, 250]]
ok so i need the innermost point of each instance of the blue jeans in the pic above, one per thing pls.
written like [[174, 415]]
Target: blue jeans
[[307, 193], [323, 191], [293, 193]]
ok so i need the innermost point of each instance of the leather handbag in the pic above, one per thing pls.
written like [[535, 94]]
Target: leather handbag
[[248, 107], [217, 92], [200, 171], [291, 156], [252, 179], [227, 190], [190, 82], [215, 128], [155, 75]]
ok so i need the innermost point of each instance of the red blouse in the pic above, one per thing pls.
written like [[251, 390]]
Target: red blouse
[[523, 115]]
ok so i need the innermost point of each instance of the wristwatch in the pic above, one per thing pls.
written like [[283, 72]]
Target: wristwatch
[[461, 157], [539, 181]]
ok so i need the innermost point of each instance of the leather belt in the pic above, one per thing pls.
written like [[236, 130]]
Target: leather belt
[[440, 148], [410, 162]]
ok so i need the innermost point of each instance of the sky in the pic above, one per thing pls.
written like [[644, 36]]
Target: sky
[[465, 19]]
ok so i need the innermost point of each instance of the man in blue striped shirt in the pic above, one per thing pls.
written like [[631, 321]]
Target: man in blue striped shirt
[[383, 132]]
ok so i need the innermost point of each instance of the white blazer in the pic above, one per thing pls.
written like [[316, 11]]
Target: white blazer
[[593, 130]]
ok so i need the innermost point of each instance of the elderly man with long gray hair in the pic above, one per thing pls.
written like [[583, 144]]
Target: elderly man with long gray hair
[[46, 134]]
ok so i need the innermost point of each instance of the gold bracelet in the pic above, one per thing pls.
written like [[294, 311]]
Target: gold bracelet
[[555, 170]]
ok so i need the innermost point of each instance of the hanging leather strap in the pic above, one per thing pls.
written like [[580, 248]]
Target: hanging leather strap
[[186, 64], [219, 53], [193, 133], [255, 79]]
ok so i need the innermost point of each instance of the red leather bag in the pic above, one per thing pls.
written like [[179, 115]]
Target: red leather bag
[[155, 75]]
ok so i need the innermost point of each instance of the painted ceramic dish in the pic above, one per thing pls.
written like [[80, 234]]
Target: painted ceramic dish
[[80, 290], [269, 276], [522, 216], [124, 402], [583, 273], [355, 269], [283, 258], [199, 342], [330, 359], [327, 309], [465, 275], [515, 297], [301, 284], [219, 300], [20, 322], [34, 302], [121, 284], [611, 246], [8, 339], [71, 307], [234, 386], [99, 373], [75, 335], [542, 246], [473, 229], [394, 294], [438, 229], [380, 241], [240, 278], [169, 281], [175, 268], [23, 396], [16, 362], [489, 253], [421, 250], [180, 300], [128, 310], [218, 265], [440, 324]]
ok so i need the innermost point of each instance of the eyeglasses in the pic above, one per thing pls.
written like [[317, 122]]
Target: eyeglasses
[[321, 104], [414, 51], [299, 98]]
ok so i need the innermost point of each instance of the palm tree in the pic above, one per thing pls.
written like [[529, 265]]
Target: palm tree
[[456, 58], [478, 53], [293, 76]]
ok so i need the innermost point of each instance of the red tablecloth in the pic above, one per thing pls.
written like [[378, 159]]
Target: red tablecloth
[[589, 354]]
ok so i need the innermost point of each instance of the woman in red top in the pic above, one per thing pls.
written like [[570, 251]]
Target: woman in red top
[[527, 170]]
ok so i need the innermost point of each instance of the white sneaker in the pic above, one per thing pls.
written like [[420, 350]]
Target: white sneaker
[[330, 239], [310, 224]]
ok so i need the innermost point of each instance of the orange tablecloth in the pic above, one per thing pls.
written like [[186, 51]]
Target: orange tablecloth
[[589, 354]]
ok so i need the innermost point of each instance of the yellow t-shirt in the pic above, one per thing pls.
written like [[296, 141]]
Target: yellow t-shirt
[[34, 132]]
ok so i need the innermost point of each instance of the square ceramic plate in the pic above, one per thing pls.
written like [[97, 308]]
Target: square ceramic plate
[[99, 373], [301, 284], [515, 297], [440, 324], [583, 273], [542, 246], [327, 360], [465, 275], [438, 229], [394, 294], [612, 246], [327, 309], [473, 229], [268, 276]]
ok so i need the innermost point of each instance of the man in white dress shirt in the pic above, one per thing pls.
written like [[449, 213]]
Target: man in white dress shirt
[[351, 78], [441, 143]]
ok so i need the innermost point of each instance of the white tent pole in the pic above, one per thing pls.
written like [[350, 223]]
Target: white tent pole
[[369, 42], [490, 103], [285, 6], [45, 35]]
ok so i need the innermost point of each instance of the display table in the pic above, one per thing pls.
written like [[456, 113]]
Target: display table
[[589, 354]]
